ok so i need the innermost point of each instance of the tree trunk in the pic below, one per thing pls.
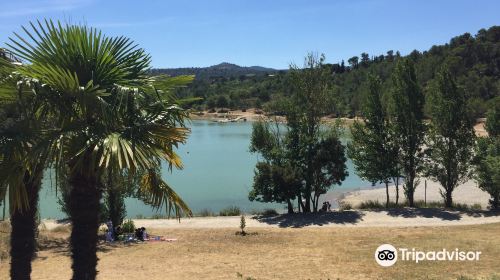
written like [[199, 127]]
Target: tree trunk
[[397, 191], [387, 194], [410, 191], [307, 208], [448, 201], [290, 206], [495, 202], [22, 238], [84, 207]]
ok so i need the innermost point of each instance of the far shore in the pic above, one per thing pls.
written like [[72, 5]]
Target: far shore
[[254, 114]]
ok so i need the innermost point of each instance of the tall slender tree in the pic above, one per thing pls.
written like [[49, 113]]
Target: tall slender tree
[[370, 148], [406, 117], [451, 135]]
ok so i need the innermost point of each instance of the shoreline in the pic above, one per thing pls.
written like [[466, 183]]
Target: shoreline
[[467, 193], [253, 114]]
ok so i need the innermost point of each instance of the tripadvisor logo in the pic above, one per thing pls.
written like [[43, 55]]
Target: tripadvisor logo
[[387, 255]]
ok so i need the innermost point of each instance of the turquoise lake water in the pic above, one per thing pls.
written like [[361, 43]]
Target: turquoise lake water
[[218, 172]]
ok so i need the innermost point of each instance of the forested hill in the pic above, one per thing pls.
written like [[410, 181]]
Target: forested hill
[[220, 70], [474, 60]]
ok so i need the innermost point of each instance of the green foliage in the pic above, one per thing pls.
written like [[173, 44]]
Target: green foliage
[[128, 226], [473, 61], [265, 212], [451, 135], [487, 161], [371, 149], [317, 154], [375, 204], [493, 119], [205, 213], [344, 206], [406, 118], [275, 179], [230, 211]]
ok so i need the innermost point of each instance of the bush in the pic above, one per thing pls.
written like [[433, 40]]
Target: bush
[[372, 204], [205, 213], [158, 216], [476, 206], [344, 206], [128, 226], [230, 211], [265, 212]]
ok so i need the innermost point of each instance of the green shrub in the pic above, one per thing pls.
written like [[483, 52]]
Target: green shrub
[[371, 204], [230, 211], [158, 216], [205, 213], [344, 206], [375, 204], [476, 206], [265, 212], [128, 226]]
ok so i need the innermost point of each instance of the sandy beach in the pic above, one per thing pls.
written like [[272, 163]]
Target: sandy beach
[[467, 193]]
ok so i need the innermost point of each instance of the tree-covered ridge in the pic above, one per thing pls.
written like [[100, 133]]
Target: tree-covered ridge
[[474, 61], [220, 70]]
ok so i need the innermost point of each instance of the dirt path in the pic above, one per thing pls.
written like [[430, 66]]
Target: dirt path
[[389, 218]]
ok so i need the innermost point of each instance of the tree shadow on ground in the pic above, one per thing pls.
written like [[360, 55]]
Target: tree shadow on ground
[[483, 213], [61, 246], [299, 220], [443, 214]]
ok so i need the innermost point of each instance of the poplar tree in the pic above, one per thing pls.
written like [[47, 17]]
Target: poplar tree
[[370, 149], [451, 135], [406, 117]]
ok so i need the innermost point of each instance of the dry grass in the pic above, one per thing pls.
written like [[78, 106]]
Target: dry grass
[[4, 240], [307, 253]]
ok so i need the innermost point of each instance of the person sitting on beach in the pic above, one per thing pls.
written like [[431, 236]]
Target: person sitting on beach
[[324, 208], [139, 234], [117, 232], [144, 234]]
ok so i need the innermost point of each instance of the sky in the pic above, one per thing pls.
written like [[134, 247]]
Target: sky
[[270, 33]]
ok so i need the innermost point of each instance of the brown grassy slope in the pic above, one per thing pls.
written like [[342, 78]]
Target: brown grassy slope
[[307, 253]]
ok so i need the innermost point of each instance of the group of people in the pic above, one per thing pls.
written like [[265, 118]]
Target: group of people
[[326, 207], [116, 233]]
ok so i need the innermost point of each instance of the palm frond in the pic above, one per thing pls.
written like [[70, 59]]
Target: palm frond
[[159, 194]]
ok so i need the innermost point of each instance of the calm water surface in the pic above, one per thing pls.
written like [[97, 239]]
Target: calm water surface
[[218, 172]]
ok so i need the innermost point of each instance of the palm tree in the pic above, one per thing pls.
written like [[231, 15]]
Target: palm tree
[[110, 114], [20, 176]]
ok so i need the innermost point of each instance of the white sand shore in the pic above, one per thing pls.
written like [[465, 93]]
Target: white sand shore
[[383, 218], [467, 193]]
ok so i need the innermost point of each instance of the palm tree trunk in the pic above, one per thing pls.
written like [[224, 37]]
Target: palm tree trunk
[[84, 206], [23, 222]]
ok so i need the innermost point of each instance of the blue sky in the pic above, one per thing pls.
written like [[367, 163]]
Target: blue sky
[[270, 33]]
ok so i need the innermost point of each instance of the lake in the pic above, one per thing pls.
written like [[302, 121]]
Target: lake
[[218, 172]]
